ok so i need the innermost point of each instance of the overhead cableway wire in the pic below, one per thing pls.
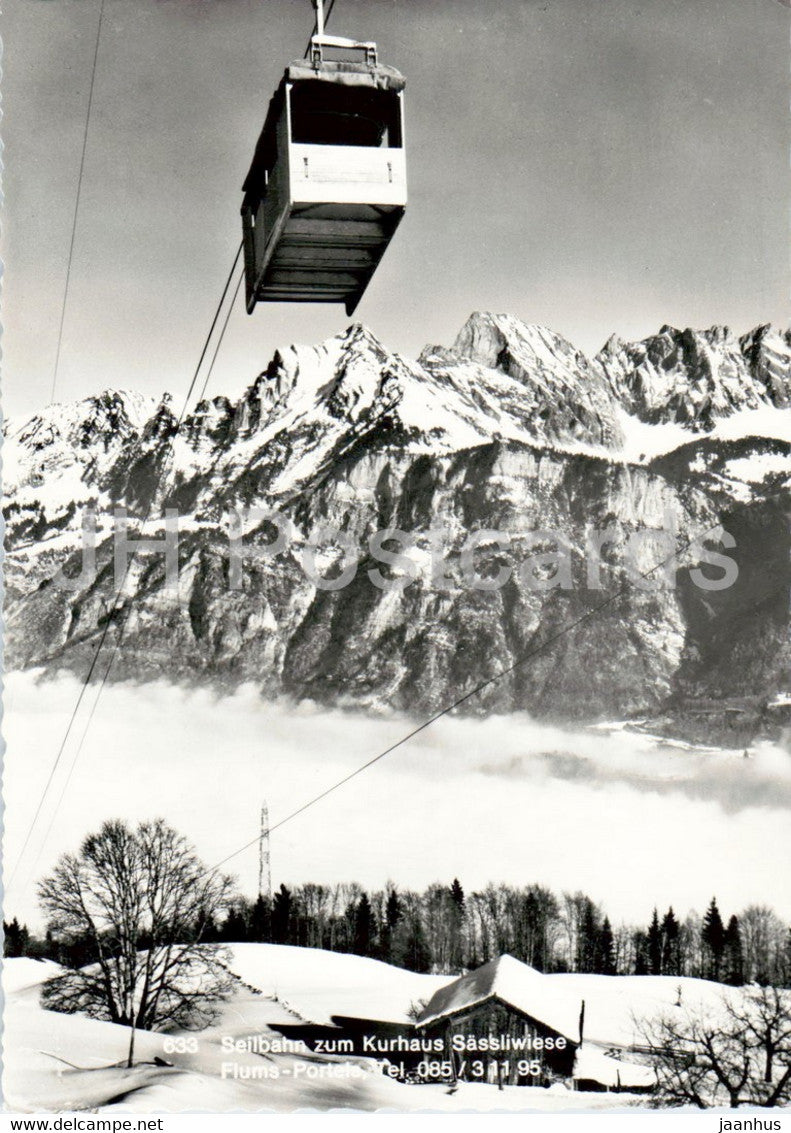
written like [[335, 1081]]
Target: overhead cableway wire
[[110, 619], [77, 201], [531, 653], [130, 561], [119, 640], [228, 314]]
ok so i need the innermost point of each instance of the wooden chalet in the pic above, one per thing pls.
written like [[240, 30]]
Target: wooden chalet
[[505, 1023]]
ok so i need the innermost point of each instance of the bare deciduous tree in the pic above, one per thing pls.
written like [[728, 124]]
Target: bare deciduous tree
[[138, 900], [764, 938], [740, 1055]]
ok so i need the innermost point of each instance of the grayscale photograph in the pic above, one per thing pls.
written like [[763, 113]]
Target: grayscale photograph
[[397, 573]]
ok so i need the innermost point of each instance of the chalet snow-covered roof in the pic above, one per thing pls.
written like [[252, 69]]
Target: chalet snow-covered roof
[[513, 984]]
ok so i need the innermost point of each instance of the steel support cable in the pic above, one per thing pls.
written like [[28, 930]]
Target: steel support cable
[[228, 314], [77, 201], [119, 590], [119, 640], [531, 653], [109, 620]]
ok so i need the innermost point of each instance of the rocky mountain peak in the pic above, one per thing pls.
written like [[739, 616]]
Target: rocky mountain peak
[[106, 416], [509, 429], [697, 377], [562, 394]]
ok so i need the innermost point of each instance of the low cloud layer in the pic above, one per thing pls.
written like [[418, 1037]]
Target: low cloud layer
[[630, 820], [736, 780]]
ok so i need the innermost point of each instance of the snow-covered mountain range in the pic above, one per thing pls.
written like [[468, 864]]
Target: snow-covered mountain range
[[508, 431]]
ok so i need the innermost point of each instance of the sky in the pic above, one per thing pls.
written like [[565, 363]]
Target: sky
[[502, 799], [596, 166]]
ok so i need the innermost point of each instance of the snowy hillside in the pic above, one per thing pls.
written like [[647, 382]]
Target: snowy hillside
[[319, 984], [508, 431], [57, 1062]]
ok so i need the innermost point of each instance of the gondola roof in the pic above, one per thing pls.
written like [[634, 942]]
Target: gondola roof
[[373, 76], [346, 74]]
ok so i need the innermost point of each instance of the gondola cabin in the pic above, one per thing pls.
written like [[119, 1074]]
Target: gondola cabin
[[327, 187]]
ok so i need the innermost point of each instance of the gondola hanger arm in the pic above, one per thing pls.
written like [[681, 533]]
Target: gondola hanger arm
[[319, 40]]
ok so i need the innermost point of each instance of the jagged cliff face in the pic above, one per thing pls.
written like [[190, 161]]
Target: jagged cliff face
[[696, 378], [508, 432]]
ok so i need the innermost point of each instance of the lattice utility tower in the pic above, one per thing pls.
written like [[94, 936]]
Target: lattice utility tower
[[264, 859]]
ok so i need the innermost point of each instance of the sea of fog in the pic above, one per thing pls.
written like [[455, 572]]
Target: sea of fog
[[631, 820]]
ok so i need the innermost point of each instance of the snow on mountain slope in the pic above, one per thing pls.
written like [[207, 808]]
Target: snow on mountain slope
[[695, 378], [54, 462], [54, 1062], [502, 379], [548, 387], [21, 972], [509, 430], [616, 1007]]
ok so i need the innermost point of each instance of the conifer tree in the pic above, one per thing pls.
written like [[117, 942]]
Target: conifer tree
[[282, 907], [712, 936], [457, 915], [606, 959], [261, 920], [392, 915], [234, 929], [457, 893], [733, 954], [363, 927], [671, 957], [588, 939], [640, 941], [655, 946], [393, 910], [16, 938]]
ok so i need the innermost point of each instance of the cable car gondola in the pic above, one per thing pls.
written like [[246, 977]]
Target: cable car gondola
[[327, 186]]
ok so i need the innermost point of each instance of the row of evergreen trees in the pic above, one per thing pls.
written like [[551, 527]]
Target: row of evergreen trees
[[444, 930], [658, 950]]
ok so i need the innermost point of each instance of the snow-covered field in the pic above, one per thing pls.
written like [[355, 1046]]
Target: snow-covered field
[[615, 1005], [58, 1062], [319, 984]]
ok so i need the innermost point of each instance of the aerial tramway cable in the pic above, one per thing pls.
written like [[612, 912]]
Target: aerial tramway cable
[[320, 23], [119, 590], [506, 671], [228, 314], [447, 709], [77, 201], [110, 620]]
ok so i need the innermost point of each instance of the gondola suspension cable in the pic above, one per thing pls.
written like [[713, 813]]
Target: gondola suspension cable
[[228, 314], [456, 703], [540, 647], [115, 607], [319, 26], [118, 642], [77, 202]]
